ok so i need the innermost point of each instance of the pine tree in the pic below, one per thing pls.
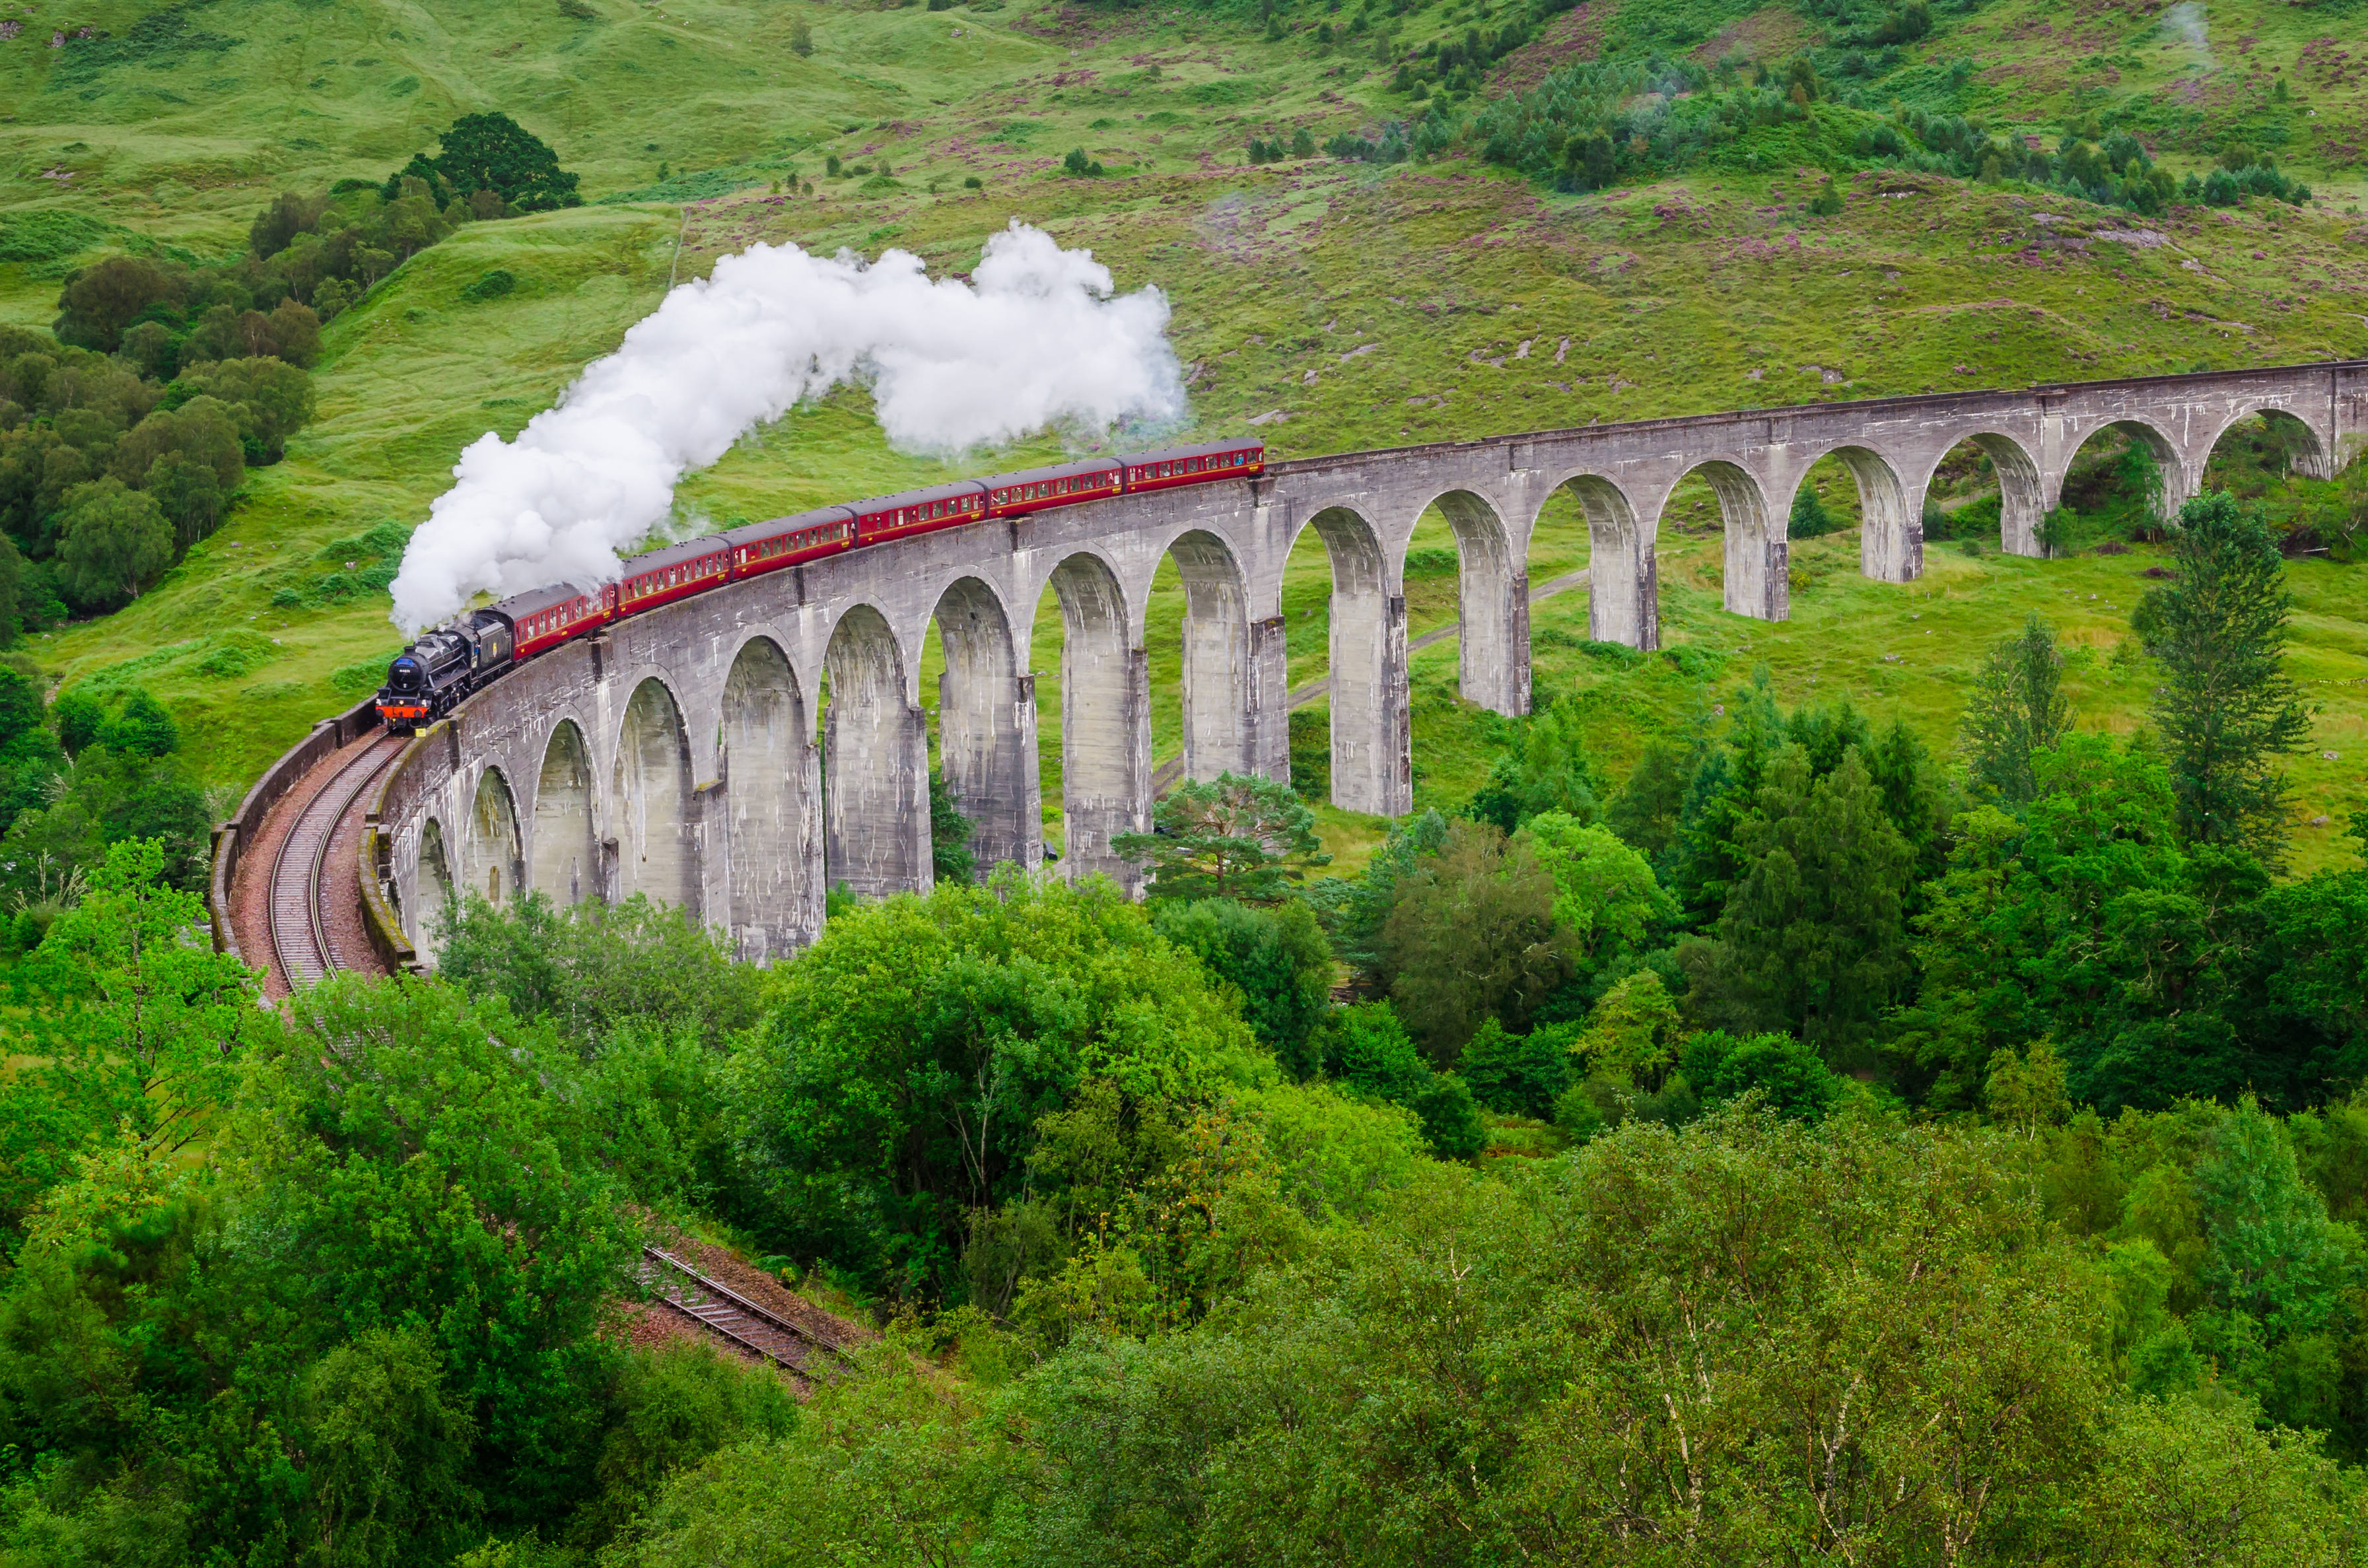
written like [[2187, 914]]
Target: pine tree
[[1814, 938], [1810, 518], [2017, 708], [2226, 707]]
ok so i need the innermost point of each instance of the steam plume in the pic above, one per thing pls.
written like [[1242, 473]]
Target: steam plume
[[1036, 339], [2187, 19]]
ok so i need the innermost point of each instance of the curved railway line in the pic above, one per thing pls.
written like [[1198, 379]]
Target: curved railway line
[[744, 1324], [300, 935]]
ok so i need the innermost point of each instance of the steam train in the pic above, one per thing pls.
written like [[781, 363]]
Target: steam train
[[429, 678]]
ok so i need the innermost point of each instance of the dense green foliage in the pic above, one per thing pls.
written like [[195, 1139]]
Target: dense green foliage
[[97, 770], [494, 154], [108, 474]]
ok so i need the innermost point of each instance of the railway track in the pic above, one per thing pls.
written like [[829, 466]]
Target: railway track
[[733, 1318], [300, 933]]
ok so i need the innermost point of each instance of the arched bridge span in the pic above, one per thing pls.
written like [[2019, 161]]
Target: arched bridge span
[[740, 752]]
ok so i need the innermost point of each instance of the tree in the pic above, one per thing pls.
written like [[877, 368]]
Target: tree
[[277, 227], [913, 1055], [116, 544], [78, 717], [266, 400], [1546, 770], [141, 727], [1516, 1074], [491, 151], [1630, 1037], [2274, 1254], [1644, 811], [2017, 708], [2226, 706], [1450, 1119], [100, 300], [1472, 936], [1238, 836], [1370, 1052], [1788, 1074], [411, 1157], [1605, 893], [136, 1025], [950, 857], [1277, 959], [1814, 938], [1354, 909], [802, 38], [593, 969], [389, 1447], [187, 494], [1809, 519]]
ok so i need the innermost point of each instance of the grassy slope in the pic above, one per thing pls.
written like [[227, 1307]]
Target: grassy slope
[[1702, 292]]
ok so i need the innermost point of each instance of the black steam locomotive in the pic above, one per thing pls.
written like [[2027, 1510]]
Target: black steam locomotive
[[430, 677]]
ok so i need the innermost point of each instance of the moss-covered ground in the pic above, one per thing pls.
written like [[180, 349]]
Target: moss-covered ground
[[1350, 305]]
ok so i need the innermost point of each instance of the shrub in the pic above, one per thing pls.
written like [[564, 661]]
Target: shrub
[[491, 285]]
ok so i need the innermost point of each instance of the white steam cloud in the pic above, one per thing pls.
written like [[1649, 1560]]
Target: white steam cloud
[[2187, 20], [1036, 339]]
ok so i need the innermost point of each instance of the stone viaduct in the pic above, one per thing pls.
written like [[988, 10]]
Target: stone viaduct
[[675, 753]]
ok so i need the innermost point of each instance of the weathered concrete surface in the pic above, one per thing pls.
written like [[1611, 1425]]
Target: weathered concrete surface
[[676, 753]]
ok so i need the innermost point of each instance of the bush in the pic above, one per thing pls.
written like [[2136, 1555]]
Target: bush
[[1450, 1119], [491, 285], [1078, 165], [1788, 1073], [1369, 1051]]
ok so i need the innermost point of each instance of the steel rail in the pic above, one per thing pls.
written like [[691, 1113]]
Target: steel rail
[[759, 1330], [315, 830]]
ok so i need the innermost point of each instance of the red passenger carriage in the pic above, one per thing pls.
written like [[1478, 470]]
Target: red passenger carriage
[[444, 667]]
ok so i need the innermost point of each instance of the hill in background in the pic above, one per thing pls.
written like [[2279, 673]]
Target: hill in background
[[1339, 302]]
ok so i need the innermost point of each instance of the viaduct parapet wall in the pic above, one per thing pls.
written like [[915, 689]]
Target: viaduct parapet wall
[[683, 753]]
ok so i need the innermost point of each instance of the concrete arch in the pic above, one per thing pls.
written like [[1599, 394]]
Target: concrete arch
[[1217, 656], [434, 882], [1372, 757], [2023, 496], [1105, 720], [772, 782], [2178, 483], [1758, 557], [564, 864], [1891, 525], [986, 727], [2309, 457], [657, 842], [1623, 600], [1492, 666], [491, 865], [876, 763]]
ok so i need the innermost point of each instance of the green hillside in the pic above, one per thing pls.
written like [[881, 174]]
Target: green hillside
[[1489, 302]]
